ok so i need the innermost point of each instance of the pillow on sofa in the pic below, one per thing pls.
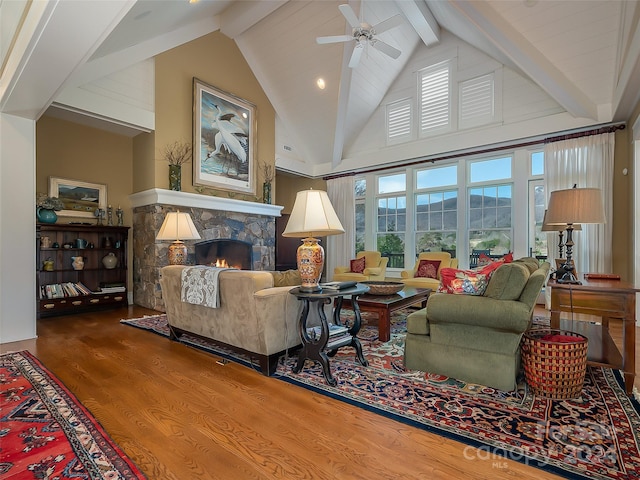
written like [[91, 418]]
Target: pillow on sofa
[[508, 281], [427, 269], [462, 282], [290, 278], [484, 259], [357, 265], [531, 263]]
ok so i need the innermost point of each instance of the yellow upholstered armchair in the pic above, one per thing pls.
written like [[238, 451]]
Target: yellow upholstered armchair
[[409, 276], [375, 269]]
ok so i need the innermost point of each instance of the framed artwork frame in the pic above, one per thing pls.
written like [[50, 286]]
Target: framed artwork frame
[[224, 140], [80, 199]]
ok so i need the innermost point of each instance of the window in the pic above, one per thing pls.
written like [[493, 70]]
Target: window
[[537, 163], [392, 218], [537, 205], [436, 210], [435, 98], [360, 193], [490, 206], [399, 121], [489, 170], [477, 101], [392, 183]]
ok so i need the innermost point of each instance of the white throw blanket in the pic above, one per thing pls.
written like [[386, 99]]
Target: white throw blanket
[[200, 285]]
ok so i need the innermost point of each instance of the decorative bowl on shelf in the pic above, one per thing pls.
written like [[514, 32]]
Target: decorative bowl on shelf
[[383, 288]]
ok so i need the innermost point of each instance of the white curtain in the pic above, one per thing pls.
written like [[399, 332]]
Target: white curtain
[[588, 163], [340, 248]]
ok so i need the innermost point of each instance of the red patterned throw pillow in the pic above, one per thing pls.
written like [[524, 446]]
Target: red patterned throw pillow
[[484, 259], [357, 265], [428, 269], [463, 282]]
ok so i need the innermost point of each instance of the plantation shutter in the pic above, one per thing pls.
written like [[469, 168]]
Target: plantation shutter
[[477, 101], [399, 121], [435, 98]]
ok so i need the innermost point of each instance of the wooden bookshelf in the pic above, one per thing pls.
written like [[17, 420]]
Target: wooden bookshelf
[[62, 246]]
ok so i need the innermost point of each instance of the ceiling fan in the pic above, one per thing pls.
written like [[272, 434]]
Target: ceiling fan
[[364, 34]]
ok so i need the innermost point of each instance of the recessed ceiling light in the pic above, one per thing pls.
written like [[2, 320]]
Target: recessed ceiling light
[[320, 83]]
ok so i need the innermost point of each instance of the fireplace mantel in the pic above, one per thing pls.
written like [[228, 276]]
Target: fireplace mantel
[[183, 199]]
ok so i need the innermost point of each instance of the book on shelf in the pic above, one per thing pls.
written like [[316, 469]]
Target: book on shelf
[[112, 287], [63, 290], [334, 331]]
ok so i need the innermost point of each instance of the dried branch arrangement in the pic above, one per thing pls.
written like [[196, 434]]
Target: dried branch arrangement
[[177, 153]]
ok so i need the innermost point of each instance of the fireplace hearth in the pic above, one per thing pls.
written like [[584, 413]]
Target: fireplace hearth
[[224, 253]]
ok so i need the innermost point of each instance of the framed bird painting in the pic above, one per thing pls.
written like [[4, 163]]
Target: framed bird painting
[[224, 139]]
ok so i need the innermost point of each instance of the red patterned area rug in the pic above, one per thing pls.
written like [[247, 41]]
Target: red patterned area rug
[[596, 436], [45, 433]]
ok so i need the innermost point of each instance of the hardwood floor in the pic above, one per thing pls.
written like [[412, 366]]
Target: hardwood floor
[[181, 415]]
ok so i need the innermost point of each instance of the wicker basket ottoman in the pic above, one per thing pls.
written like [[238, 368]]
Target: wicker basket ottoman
[[555, 362]]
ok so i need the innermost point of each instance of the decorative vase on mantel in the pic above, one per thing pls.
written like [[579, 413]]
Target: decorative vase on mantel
[[266, 192], [46, 215], [175, 177]]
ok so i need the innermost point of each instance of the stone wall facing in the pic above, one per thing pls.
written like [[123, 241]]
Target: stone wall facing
[[149, 255]]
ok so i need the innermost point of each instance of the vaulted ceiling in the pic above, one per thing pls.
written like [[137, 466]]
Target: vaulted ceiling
[[583, 54]]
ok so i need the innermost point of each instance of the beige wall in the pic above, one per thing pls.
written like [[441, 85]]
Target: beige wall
[[289, 185], [623, 207], [215, 60], [76, 152]]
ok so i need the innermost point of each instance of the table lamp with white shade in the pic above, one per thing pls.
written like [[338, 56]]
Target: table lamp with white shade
[[312, 215], [178, 226], [570, 207]]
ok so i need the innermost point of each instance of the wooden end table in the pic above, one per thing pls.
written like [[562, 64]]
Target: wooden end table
[[606, 299], [323, 346], [385, 305]]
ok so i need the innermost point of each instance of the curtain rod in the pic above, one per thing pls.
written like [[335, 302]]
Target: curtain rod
[[557, 138]]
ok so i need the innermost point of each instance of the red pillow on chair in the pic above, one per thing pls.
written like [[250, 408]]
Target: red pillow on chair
[[358, 264], [427, 269]]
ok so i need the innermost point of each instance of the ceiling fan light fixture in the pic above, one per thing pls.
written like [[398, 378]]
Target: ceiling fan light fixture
[[364, 34]]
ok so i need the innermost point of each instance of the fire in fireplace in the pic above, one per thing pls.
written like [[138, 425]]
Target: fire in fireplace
[[224, 253]]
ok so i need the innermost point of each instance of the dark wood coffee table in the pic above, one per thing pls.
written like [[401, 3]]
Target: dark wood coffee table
[[385, 305]]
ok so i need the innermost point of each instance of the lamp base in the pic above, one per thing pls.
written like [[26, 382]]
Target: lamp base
[[565, 275], [310, 258], [177, 253]]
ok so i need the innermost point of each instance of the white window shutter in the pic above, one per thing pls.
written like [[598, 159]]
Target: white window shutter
[[435, 98], [399, 121], [477, 101]]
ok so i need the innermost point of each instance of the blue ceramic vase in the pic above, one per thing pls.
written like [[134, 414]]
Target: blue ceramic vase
[[45, 215]]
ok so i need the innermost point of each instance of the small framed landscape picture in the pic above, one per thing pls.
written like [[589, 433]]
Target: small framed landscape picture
[[224, 139], [80, 199]]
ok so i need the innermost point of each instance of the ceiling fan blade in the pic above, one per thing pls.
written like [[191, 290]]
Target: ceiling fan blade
[[355, 56], [334, 39], [385, 48], [387, 24], [350, 15]]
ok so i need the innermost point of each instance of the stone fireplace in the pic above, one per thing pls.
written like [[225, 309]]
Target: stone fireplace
[[241, 222], [224, 253]]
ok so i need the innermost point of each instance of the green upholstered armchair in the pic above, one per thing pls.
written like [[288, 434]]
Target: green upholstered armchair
[[375, 269], [476, 339], [410, 280]]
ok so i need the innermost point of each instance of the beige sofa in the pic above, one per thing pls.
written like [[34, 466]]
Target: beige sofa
[[254, 316]]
